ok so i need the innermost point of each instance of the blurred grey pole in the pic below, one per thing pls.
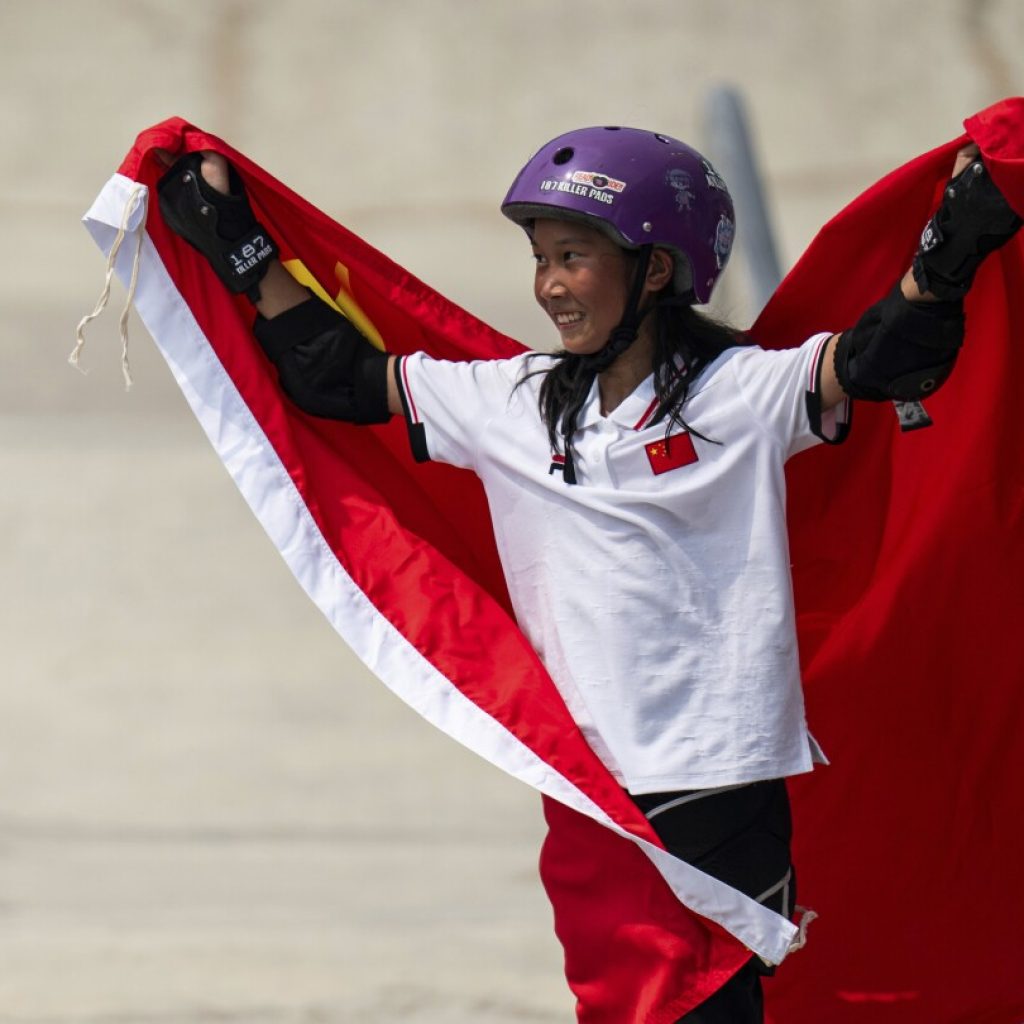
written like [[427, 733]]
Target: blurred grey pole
[[727, 137]]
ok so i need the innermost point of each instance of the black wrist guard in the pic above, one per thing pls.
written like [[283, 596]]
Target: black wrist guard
[[222, 227], [900, 350], [325, 366], [973, 220]]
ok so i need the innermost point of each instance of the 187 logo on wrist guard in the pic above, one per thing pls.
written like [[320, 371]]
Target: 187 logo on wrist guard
[[931, 236], [250, 253]]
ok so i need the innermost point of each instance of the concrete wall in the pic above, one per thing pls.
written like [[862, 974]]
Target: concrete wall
[[206, 808]]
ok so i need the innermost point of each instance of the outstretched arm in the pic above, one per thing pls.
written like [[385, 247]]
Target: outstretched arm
[[904, 347], [324, 363]]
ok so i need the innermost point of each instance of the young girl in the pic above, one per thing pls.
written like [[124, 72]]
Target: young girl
[[635, 478]]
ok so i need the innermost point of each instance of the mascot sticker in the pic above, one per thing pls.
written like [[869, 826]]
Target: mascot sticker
[[681, 182], [725, 231]]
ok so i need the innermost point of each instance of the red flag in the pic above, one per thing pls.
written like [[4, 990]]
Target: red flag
[[908, 556], [401, 560]]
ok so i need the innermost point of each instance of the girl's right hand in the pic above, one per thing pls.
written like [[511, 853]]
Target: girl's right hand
[[214, 168]]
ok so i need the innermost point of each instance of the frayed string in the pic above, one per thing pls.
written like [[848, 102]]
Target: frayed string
[[138, 193], [800, 939]]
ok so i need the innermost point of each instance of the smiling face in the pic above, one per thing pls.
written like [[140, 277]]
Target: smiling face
[[582, 282]]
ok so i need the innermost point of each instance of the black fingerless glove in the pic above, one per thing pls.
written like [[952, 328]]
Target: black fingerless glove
[[973, 220], [221, 227]]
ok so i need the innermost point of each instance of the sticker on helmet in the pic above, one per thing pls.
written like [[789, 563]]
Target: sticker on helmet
[[587, 184], [598, 180], [725, 231], [676, 178], [713, 178]]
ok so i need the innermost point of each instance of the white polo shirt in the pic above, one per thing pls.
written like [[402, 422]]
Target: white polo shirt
[[657, 590]]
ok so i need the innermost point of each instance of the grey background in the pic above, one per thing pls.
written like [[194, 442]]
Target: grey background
[[208, 810]]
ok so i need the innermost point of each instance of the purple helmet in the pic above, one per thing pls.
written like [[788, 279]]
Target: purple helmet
[[640, 188]]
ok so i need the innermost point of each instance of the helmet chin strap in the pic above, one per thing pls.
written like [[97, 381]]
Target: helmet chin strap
[[629, 326], [620, 339]]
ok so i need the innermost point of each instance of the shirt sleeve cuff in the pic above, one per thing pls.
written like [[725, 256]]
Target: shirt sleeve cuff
[[417, 431], [830, 425]]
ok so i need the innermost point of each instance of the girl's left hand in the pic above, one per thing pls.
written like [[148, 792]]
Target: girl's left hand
[[965, 156]]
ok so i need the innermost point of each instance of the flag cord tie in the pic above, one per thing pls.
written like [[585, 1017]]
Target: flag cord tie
[[138, 193], [800, 939]]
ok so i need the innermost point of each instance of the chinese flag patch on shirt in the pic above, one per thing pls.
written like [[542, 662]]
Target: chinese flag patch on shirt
[[670, 453]]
